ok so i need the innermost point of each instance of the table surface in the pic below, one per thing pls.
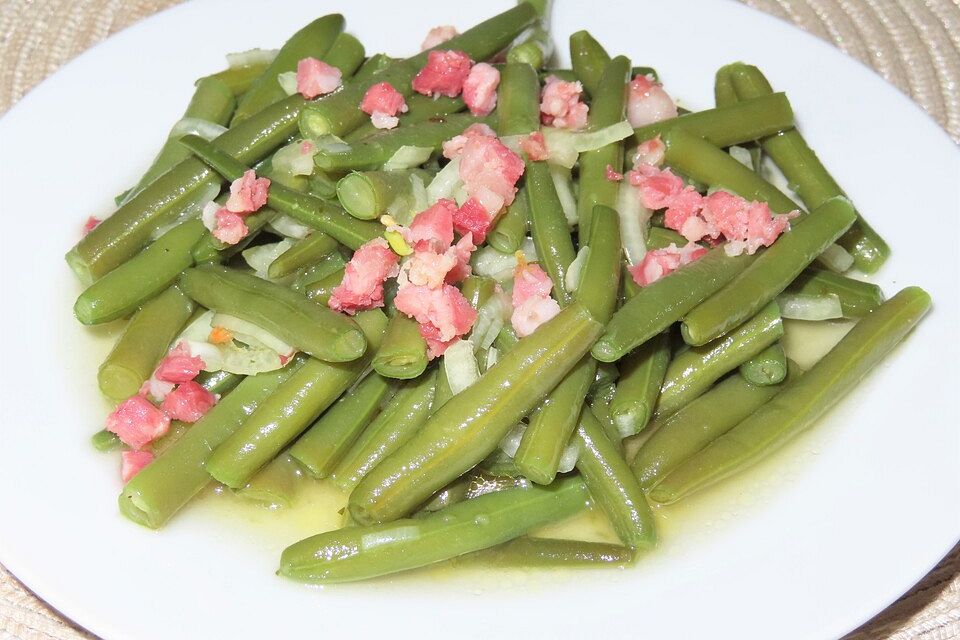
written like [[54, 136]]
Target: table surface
[[914, 44]]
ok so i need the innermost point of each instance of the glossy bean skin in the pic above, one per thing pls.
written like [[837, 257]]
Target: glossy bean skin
[[510, 230], [320, 290], [681, 435], [767, 367], [641, 376], [320, 449], [548, 225], [287, 413], [275, 486], [546, 553], [772, 271], [358, 553], [588, 60], [403, 354], [693, 371], [367, 195], [239, 79], [301, 323], [462, 433], [518, 100], [802, 402], [857, 298], [304, 253], [420, 109]]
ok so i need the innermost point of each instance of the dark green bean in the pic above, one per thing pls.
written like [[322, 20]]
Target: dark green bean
[[589, 58], [518, 100], [511, 229], [551, 235], [420, 109], [275, 485], [857, 299], [641, 377], [239, 79], [304, 253], [403, 354], [320, 290], [534, 50]]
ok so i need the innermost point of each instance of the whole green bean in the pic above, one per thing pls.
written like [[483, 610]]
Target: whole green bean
[[367, 195], [165, 485], [606, 109], [803, 401], [551, 235], [357, 553], [304, 253], [641, 376], [240, 78], [724, 94], [681, 435], [395, 425], [542, 553], [462, 433], [312, 41], [518, 100], [144, 342], [276, 483], [693, 371], [320, 290], [331, 436], [119, 293], [290, 410], [338, 114], [857, 299], [737, 123], [510, 229], [770, 273], [403, 354], [613, 485], [310, 276], [299, 322], [767, 367], [589, 58]]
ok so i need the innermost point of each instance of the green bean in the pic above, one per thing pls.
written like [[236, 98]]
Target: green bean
[[403, 354], [803, 168], [681, 435], [518, 100], [444, 392], [462, 433], [153, 270], [338, 114], [613, 485], [313, 40], [275, 485], [693, 371], [304, 253], [477, 290], [660, 238], [104, 441], [367, 195], [535, 48], [144, 342], [320, 290], [239, 79], [724, 94], [770, 273], [420, 109], [373, 65], [641, 376], [299, 322], [657, 306], [290, 410], [541, 553], [767, 367], [356, 553], [857, 299], [551, 235], [320, 449], [165, 485], [510, 230], [607, 374], [303, 207], [803, 401], [212, 101], [310, 276], [372, 152], [606, 109], [389, 431], [728, 125], [589, 58]]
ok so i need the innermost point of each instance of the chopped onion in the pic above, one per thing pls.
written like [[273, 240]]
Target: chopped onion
[[232, 357], [568, 460], [286, 226], [564, 146], [329, 143], [260, 257], [446, 182], [513, 142], [408, 157], [634, 218], [491, 317], [575, 270], [836, 258], [742, 155], [288, 82], [800, 306], [198, 329], [198, 127], [292, 160], [511, 441], [563, 182], [251, 334], [770, 172], [251, 57], [493, 264], [460, 366], [493, 356]]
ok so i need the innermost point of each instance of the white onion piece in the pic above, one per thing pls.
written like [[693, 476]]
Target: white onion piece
[[259, 336], [568, 460], [563, 182], [330, 143], [511, 441], [288, 82], [565, 146], [491, 317], [575, 270], [286, 226], [446, 182], [799, 306], [260, 257], [408, 157], [291, 159], [493, 264], [742, 155], [251, 57], [634, 218], [836, 258], [493, 356], [198, 127], [403, 208], [460, 366]]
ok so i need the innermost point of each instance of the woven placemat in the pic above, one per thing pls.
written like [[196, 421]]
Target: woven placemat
[[914, 44]]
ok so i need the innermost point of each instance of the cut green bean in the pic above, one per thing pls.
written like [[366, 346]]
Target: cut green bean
[[367, 195], [310, 276], [857, 299], [477, 290], [551, 235], [589, 58], [275, 485], [767, 367], [724, 94], [104, 441], [518, 100], [320, 290], [693, 371], [301, 323], [304, 253], [510, 230], [420, 109], [403, 354], [240, 79], [641, 376], [660, 238], [803, 401], [535, 50], [545, 553]]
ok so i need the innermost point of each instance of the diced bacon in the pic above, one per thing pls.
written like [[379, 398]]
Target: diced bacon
[[137, 422], [490, 171], [454, 146], [480, 89], [657, 188], [317, 78], [660, 262], [532, 313], [681, 208], [362, 285], [473, 218], [530, 281], [179, 366], [188, 402], [131, 462], [428, 268], [230, 227], [462, 251], [648, 103], [613, 175], [433, 227], [650, 152], [437, 36], [247, 193], [383, 103], [91, 224], [443, 75], [724, 211], [435, 346], [535, 146], [156, 389], [560, 104], [444, 308]]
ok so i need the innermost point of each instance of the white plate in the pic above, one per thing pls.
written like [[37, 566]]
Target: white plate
[[811, 545]]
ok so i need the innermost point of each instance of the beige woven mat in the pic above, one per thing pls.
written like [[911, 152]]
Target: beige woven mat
[[915, 44]]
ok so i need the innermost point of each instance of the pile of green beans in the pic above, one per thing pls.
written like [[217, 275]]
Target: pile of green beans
[[625, 401]]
